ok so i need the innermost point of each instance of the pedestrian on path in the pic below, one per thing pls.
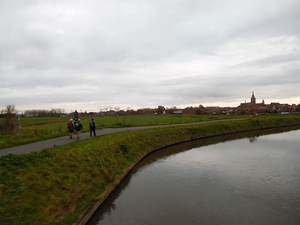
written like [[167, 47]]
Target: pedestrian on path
[[75, 115], [70, 126], [92, 127], [78, 127]]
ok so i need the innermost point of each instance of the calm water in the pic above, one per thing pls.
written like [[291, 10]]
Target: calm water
[[254, 180]]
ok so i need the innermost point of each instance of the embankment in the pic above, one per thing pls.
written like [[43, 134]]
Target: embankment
[[66, 184]]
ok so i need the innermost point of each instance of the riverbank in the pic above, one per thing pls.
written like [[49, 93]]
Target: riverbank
[[64, 184]]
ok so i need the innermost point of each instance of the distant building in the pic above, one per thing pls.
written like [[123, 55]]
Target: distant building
[[253, 99], [262, 108], [252, 106]]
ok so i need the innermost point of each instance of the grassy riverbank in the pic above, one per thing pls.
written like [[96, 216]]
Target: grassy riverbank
[[40, 128], [56, 185]]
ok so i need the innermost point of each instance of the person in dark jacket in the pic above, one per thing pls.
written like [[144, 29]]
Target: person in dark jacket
[[75, 115], [92, 127], [78, 127]]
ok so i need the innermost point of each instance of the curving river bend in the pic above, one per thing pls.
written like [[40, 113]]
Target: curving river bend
[[251, 180]]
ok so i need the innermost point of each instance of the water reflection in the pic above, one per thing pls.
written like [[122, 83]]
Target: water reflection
[[252, 139], [231, 182]]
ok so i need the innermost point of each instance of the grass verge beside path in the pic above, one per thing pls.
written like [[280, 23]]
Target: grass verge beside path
[[57, 185], [41, 128]]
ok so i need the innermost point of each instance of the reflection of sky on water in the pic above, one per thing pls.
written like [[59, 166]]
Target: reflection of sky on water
[[286, 136], [232, 182], [264, 164], [266, 172]]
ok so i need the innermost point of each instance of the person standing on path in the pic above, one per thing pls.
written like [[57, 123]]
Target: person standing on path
[[70, 126], [92, 127], [75, 115], [78, 127]]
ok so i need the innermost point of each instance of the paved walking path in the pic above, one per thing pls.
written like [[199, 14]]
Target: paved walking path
[[36, 146]]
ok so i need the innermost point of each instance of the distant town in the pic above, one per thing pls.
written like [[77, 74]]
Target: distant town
[[251, 108]]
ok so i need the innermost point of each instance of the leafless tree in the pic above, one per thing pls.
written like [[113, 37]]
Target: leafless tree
[[9, 122]]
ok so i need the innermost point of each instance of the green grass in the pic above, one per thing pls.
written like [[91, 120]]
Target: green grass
[[56, 185], [40, 128]]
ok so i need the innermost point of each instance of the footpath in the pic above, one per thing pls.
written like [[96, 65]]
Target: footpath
[[37, 146]]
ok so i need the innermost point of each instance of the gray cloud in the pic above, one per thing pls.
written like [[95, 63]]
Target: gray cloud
[[273, 60], [94, 54]]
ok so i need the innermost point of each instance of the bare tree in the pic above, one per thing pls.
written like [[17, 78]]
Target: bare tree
[[57, 111], [9, 122]]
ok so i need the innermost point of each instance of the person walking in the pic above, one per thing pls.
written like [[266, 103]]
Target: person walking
[[75, 115], [70, 126], [92, 127], [78, 127]]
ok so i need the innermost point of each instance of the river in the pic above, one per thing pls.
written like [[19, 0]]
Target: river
[[248, 178]]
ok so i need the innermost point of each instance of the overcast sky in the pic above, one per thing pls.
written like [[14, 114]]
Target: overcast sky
[[92, 54]]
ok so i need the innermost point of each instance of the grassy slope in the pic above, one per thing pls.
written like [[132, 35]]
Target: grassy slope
[[56, 185], [41, 128]]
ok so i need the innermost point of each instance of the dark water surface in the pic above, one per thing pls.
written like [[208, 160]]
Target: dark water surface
[[252, 180]]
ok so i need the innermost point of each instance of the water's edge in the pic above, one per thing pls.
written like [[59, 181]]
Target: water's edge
[[87, 214]]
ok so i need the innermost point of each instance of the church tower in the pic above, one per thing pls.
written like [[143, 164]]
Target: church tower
[[253, 99]]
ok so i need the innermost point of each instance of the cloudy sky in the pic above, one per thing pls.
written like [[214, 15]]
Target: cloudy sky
[[93, 54]]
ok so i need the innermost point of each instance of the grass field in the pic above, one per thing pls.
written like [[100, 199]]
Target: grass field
[[40, 128], [56, 185]]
